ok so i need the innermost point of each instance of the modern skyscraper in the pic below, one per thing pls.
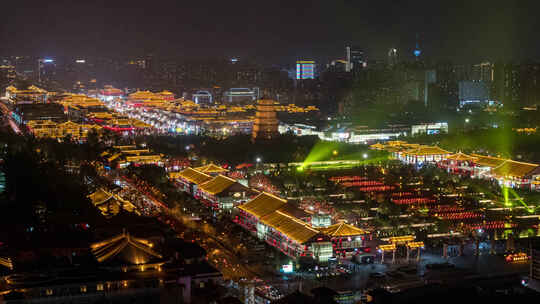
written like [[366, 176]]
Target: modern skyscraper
[[483, 72], [355, 58], [305, 69]]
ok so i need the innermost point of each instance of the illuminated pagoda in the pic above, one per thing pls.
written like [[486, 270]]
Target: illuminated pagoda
[[346, 239], [189, 179], [266, 123], [223, 193]]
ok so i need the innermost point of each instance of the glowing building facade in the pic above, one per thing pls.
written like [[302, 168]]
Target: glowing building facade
[[305, 69], [266, 122]]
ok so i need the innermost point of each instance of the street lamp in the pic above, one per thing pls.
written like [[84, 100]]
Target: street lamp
[[258, 159], [365, 155], [467, 120]]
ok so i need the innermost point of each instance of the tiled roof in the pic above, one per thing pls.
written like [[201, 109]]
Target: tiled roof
[[263, 204], [488, 161], [427, 150], [217, 185], [211, 168], [342, 230], [511, 168], [292, 227], [130, 249], [194, 176], [100, 196], [461, 157]]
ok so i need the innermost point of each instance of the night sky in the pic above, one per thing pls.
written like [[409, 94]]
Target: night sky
[[273, 31]]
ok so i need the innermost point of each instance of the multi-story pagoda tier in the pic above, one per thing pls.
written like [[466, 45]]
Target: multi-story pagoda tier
[[266, 122]]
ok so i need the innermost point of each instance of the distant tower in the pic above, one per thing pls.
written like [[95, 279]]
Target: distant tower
[[392, 57], [417, 52], [355, 58], [265, 126]]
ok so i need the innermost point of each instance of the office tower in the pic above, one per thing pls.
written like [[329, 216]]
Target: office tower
[[305, 69], [355, 58]]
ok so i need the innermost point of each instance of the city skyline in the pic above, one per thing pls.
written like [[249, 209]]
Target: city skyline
[[277, 33]]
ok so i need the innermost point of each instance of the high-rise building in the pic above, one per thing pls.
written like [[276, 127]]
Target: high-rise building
[[473, 92], [305, 69], [483, 72], [355, 58], [266, 123]]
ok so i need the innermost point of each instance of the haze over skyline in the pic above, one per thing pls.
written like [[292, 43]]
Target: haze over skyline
[[276, 31]]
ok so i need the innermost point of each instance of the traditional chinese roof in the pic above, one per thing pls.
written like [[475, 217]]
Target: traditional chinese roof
[[427, 150], [211, 168], [100, 196], [217, 185], [511, 168], [141, 94], [290, 226], [110, 204], [396, 142], [488, 161], [461, 157], [292, 210], [263, 204], [128, 249], [377, 146], [194, 176], [342, 230], [69, 124]]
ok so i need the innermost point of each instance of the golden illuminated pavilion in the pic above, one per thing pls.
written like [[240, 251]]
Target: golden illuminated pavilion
[[263, 204], [217, 185], [31, 93], [81, 101], [295, 229], [192, 176], [50, 129], [127, 252], [460, 157], [139, 95], [342, 229], [110, 204]]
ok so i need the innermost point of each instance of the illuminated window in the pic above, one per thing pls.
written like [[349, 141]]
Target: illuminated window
[[49, 292], [83, 288], [99, 287]]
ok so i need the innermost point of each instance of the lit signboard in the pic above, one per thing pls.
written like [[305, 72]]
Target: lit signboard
[[288, 268]]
